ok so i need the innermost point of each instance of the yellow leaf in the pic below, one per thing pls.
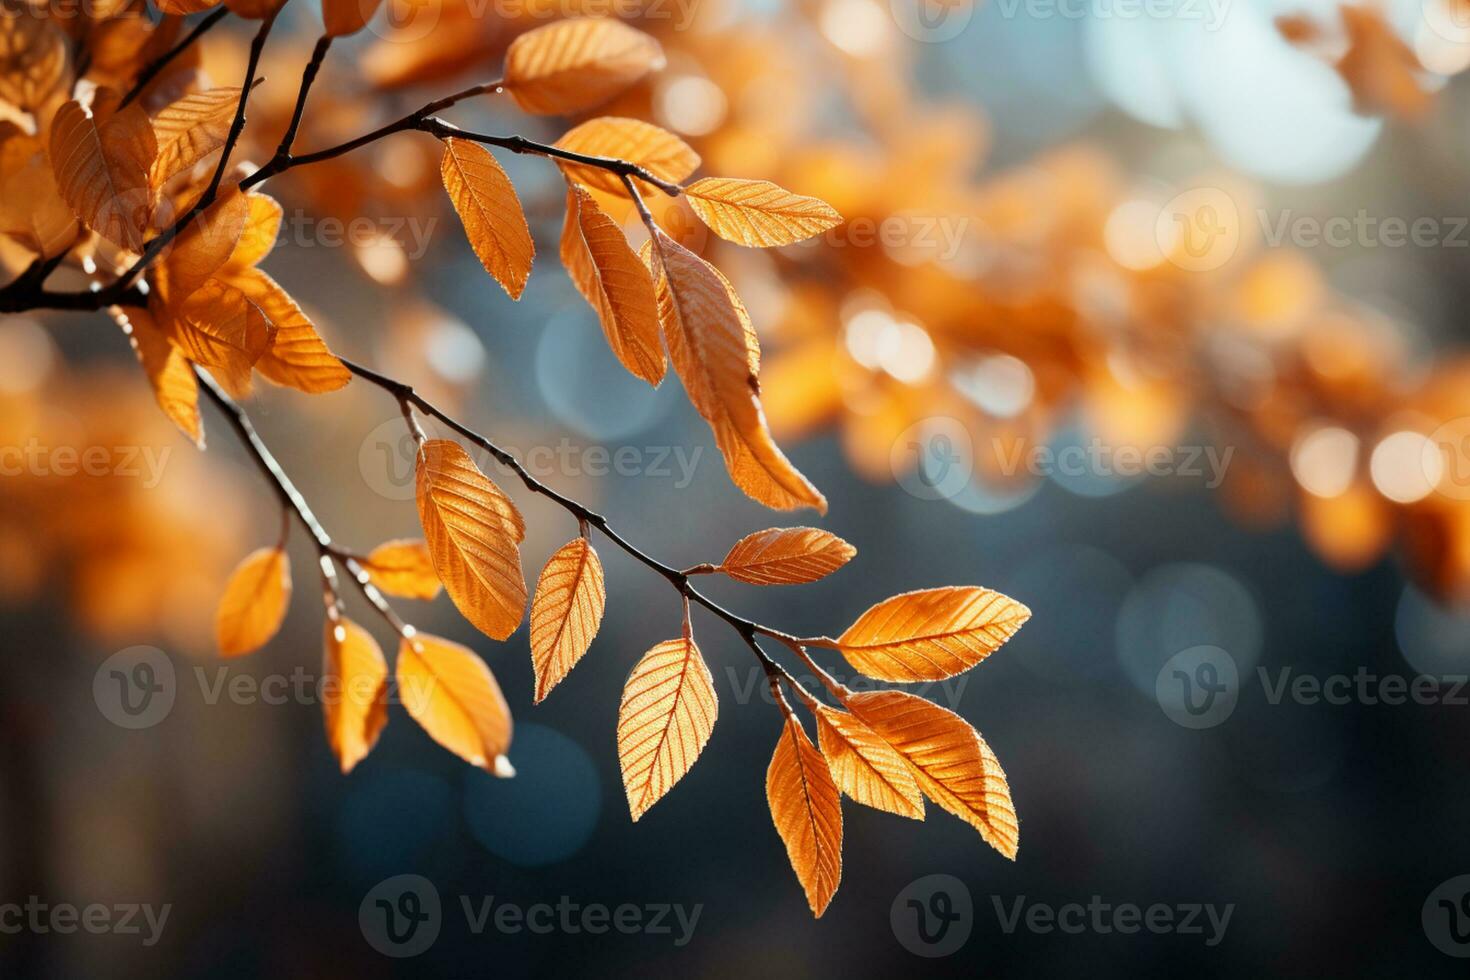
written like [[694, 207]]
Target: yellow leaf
[[254, 603], [190, 129], [355, 702], [487, 205], [714, 355], [656, 150], [950, 761], [262, 227], [101, 167], [452, 694], [786, 556], [402, 567], [33, 56], [666, 717], [220, 328], [807, 810], [566, 612], [757, 212], [865, 767], [343, 17], [576, 64], [297, 355], [168, 371], [617, 285], [930, 634], [202, 248], [31, 209], [473, 533]]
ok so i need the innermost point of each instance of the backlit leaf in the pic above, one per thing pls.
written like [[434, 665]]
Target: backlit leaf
[[452, 694], [486, 203], [101, 167], [786, 556], [262, 228], [297, 356], [807, 810], [714, 353], [575, 64], [757, 212], [666, 717], [205, 245], [221, 328], [566, 612], [174, 384], [656, 150], [865, 767], [617, 285], [403, 567], [473, 533], [930, 634], [355, 700], [33, 56], [950, 761], [190, 129], [184, 7], [31, 209], [254, 603]]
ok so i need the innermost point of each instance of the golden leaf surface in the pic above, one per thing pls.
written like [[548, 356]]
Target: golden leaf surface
[[618, 286], [452, 694], [566, 612], [174, 385], [189, 129], [473, 533], [184, 7], [297, 356], [262, 227], [865, 767], [403, 567], [654, 149], [221, 328], [786, 556], [715, 356], [31, 209], [355, 698], [758, 213], [33, 57], [807, 810], [490, 211], [101, 166], [575, 64], [930, 634], [254, 604], [666, 717], [202, 248], [343, 17], [950, 761]]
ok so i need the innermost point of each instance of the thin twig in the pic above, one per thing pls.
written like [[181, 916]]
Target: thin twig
[[151, 72]]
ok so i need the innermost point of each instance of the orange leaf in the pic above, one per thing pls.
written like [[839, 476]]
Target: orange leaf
[[452, 694], [950, 761], [31, 208], [174, 384], [297, 355], [220, 328], [715, 356], [262, 227], [757, 212], [473, 533], [930, 634], [101, 157], [190, 129], [575, 64], [343, 17], [487, 205], [33, 56], [786, 556], [204, 246], [566, 612], [403, 567], [184, 7], [656, 150], [355, 705], [865, 767], [254, 603], [807, 810], [667, 715], [616, 284]]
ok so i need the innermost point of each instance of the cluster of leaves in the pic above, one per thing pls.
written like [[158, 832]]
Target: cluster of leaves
[[122, 180]]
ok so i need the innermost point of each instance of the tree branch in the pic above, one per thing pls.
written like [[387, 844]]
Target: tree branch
[[151, 72]]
